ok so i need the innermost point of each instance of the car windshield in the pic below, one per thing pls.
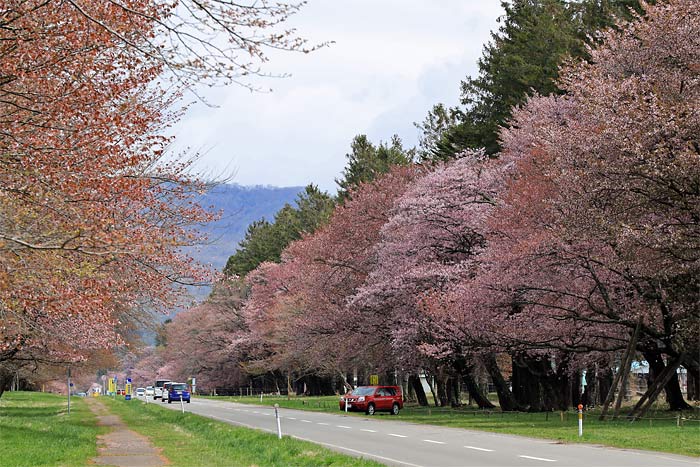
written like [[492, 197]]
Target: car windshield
[[178, 387], [363, 391]]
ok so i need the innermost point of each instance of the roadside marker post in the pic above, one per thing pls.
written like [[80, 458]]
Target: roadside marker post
[[261, 393], [580, 420], [182, 404], [277, 416]]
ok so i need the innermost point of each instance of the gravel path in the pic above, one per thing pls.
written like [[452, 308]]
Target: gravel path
[[122, 447]]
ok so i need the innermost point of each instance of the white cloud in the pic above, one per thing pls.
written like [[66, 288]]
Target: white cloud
[[391, 61]]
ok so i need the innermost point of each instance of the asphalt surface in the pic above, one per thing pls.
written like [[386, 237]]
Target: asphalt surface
[[385, 439]]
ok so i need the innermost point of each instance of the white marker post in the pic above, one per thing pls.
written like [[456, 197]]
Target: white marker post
[[346, 404], [261, 397], [182, 404], [580, 420], [277, 416]]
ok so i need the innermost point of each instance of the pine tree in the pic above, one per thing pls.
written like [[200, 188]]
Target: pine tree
[[367, 161]]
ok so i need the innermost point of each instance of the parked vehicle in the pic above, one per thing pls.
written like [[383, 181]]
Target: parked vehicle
[[158, 388], [176, 392], [140, 392], [150, 391], [371, 399]]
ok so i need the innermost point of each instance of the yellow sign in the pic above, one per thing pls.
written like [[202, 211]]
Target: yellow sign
[[373, 380]]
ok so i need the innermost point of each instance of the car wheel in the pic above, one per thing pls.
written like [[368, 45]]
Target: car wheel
[[170, 401], [188, 401], [370, 409], [395, 409]]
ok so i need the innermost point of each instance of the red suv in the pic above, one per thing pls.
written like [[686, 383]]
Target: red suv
[[371, 399]]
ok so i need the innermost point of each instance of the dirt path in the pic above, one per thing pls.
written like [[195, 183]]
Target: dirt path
[[122, 447]]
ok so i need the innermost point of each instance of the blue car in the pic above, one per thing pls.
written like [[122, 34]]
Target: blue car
[[177, 392]]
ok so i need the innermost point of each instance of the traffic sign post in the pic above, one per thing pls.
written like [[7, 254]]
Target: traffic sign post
[[277, 416], [580, 420], [69, 385]]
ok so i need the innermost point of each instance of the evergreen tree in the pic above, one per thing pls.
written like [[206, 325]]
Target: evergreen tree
[[264, 241], [522, 58], [366, 161]]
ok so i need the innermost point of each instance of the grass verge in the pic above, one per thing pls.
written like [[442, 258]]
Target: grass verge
[[188, 439], [36, 430], [658, 433]]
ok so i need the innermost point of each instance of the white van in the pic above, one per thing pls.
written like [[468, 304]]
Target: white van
[[158, 388]]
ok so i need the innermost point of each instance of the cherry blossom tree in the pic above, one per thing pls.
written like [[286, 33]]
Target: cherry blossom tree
[[305, 298], [602, 223], [201, 341], [92, 216], [436, 232]]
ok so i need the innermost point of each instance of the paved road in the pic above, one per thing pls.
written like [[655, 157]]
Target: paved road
[[392, 442]]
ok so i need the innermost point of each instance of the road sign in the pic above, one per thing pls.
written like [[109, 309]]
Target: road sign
[[373, 380]]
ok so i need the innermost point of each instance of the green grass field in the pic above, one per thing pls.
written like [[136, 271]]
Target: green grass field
[[36, 430], [188, 439], [658, 434]]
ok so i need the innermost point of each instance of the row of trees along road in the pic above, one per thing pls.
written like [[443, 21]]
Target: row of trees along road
[[92, 215], [569, 243]]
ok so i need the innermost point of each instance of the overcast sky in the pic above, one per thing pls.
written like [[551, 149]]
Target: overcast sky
[[391, 61]]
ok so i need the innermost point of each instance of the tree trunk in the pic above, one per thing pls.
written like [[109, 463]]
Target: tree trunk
[[674, 396], [505, 397], [414, 381], [660, 381], [6, 378], [442, 383], [475, 392], [604, 378], [526, 385], [456, 398]]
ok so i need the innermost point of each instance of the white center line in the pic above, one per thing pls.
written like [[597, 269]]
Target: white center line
[[342, 426], [368, 431], [538, 458], [291, 418], [321, 423], [478, 449], [398, 436], [434, 442], [305, 421]]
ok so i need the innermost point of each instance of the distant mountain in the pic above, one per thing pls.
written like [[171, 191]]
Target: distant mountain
[[240, 205]]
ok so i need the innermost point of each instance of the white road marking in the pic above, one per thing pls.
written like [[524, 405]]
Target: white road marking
[[398, 436], [368, 431], [478, 449], [291, 418], [305, 421], [341, 448], [321, 423], [343, 426], [538, 458], [434, 442], [368, 454]]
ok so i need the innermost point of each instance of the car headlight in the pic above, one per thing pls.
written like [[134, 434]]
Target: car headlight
[[361, 399]]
